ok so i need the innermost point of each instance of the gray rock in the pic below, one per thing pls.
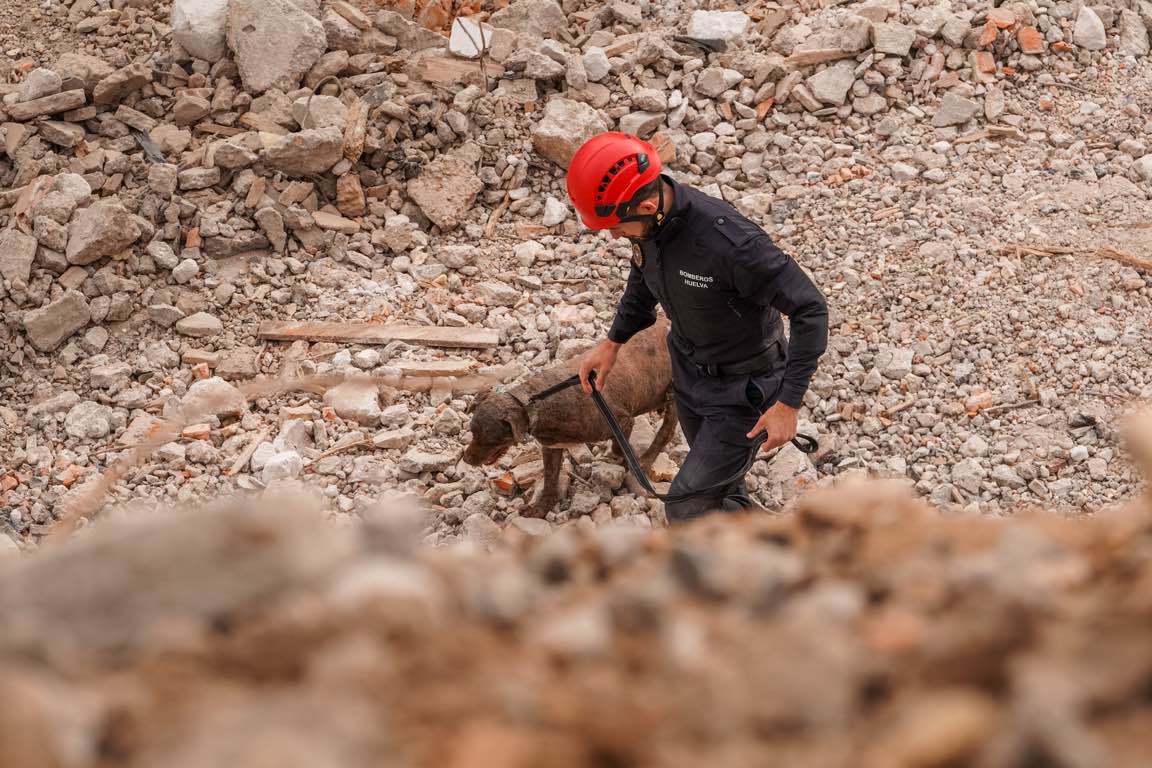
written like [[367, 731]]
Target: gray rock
[[47, 105], [272, 224], [555, 212], [1007, 477], [713, 81], [102, 230], [200, 26], [162, 179], [831, 85], [650, 100], [538, 19], [641, 124], [104, 376], [409, 35], [395, 438], [954, 110], [37, 84], [565, 126], [121, 83], [541, 67], [1089, 32], [233, 157], [320, 112], [276, 42], [358, 401], [1143, 167], [285, 465], [895, 363], [212, 397], [55, 404], [1133, 34], [88, 421], [717, 25], [447, 187], [89, 70], [306, 153], [185, 271], [17, 252], [162, 254], [61, 134], [967, 475], [50, 325], [200, 326], [481, 529], [417, 462], [497, 294], [893, 39], [198, 178], [596, 64]]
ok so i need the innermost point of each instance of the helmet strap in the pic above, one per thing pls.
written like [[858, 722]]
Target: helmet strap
[[654, 219]]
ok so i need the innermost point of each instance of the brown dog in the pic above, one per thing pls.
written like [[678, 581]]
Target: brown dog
[[640, 382]]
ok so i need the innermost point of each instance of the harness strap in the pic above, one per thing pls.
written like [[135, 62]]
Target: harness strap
[[804, 443]]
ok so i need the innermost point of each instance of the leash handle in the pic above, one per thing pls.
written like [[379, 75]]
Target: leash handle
[[804, 443]]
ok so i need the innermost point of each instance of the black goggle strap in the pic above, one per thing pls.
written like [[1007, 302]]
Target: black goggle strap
[[656, 218]]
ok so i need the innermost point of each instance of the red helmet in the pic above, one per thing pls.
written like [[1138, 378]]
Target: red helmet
[[606, 171]]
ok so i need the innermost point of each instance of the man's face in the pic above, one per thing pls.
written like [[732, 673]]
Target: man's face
[[630, 229], [638, 230]]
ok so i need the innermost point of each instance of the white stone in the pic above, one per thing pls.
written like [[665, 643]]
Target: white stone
[[276, 42], [469, 37], [355, 400], [88, 421], [200, 26], [1089, 31], [717, 25], [555, 212], [596, 64], [282, 466]]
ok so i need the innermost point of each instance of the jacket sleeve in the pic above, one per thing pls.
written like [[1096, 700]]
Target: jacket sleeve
[[768, 276], [637, 309]]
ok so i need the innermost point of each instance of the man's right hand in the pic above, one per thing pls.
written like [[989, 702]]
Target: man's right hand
[[600, 358]]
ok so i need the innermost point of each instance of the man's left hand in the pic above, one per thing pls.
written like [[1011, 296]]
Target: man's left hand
[[779, 422]]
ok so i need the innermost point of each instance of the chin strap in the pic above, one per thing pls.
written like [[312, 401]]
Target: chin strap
[[656, 218]]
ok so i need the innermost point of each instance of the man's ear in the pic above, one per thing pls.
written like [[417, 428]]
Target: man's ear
[[648, 207]]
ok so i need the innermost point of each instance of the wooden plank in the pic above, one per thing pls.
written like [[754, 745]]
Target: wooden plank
[[381, 333], [443, 70], [434, 367]]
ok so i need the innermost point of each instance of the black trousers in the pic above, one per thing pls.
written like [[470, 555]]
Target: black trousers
[[716, 412]]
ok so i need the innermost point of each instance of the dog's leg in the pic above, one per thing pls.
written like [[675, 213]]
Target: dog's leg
[[549, 482], [663, 435], [626, 424]]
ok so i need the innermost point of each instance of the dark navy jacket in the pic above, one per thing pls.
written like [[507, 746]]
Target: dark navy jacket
[[723, 284]]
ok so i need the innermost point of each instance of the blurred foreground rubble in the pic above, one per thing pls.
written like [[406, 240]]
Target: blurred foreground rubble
[[864, 630]]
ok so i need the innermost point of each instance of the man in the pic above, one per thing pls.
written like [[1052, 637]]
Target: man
[[724, 285]]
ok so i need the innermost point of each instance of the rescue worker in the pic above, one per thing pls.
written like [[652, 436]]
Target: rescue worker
[[723, 284]]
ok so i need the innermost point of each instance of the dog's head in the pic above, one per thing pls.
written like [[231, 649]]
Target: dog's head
[[498, 422]]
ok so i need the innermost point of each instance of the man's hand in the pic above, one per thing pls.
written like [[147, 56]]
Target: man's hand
[[779, 422], [600, 358]]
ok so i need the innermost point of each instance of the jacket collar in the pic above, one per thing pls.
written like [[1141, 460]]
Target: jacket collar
[[681, 205]]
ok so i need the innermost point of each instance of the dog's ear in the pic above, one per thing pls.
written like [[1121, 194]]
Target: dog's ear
[[518, 422], [476, 401]]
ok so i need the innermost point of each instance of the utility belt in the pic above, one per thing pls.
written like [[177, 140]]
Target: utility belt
[[759, 363]]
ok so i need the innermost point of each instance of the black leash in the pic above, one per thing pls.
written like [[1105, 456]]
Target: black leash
[[804, 443]]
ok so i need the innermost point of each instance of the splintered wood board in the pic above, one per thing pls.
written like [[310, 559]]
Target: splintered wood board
[[381, 333]]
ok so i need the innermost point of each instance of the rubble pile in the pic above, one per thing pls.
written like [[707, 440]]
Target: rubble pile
[[968, 184], [864, 630]]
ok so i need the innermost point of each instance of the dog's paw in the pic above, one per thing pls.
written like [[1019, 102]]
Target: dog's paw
[[539, 508]]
